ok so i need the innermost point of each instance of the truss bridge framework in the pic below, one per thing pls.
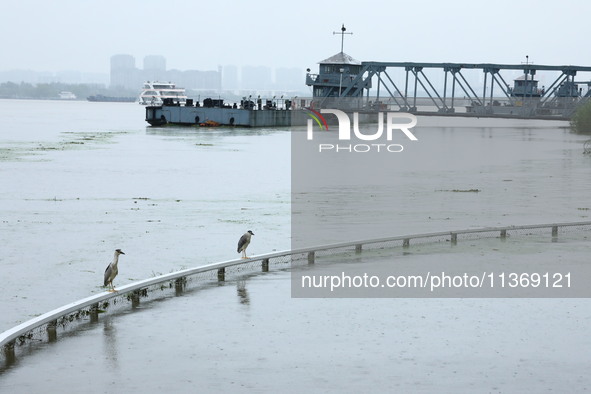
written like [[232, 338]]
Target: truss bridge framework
[[452, 94]]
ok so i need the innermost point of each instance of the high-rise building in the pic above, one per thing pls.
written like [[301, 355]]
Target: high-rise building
[[256, 78], [230, 78], [154, 68], [122, 62], [123, 72], [155, 62]]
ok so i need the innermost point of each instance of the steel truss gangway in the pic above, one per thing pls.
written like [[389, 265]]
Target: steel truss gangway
[[498, 98]]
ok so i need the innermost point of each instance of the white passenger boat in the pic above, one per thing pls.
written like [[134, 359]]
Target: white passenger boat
[[153, 93]]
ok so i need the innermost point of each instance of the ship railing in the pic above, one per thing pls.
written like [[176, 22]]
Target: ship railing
[[45, 328]]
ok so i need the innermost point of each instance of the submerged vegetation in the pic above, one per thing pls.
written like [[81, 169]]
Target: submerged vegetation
[[461, 190], [581, 121]]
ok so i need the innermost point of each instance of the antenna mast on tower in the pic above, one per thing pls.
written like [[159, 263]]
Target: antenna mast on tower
[[342, 33]]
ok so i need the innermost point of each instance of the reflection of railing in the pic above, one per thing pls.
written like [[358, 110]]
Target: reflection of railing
[[45, 327]]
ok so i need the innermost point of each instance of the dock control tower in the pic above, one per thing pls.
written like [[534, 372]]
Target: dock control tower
[[335, 74]]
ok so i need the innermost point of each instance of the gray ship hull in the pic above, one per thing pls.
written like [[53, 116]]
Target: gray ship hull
[[224, 116]]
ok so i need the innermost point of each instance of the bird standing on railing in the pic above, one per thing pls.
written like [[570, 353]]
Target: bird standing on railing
[[112, 270], [244, 242]]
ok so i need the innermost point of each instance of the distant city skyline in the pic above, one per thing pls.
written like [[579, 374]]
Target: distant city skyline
[[125, 73]]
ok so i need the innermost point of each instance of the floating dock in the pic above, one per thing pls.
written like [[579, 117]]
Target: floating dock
[[218, 114]]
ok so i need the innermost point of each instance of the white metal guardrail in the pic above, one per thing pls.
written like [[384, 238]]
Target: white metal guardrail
[[45, 327]]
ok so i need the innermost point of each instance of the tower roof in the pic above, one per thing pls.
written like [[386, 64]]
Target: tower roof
[[340, 58]]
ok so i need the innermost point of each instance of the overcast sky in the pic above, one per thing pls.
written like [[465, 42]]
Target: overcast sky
[[82, 35]]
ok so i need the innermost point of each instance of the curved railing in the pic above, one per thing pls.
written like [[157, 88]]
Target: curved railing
[[45, 327]]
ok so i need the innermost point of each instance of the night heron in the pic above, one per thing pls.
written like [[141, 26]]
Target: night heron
[[244, 242], [112, 271]]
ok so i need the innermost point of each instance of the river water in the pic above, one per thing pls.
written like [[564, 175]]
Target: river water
[[81, 179]]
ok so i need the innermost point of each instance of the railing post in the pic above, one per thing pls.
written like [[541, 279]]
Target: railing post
[[221, 274], [503, 234], [358, 248], [179, 285], [406, 242], [311, 256], [93, 312], [265, 265], [454, 238], [554, 231], [9, 353], [52, 331], [135, 299]]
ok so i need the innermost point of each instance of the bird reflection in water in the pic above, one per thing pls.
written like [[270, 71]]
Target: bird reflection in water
[[110, 344], [242, 292]]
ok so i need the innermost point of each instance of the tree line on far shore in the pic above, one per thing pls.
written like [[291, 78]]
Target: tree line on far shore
[[581, 120], [24, 90]]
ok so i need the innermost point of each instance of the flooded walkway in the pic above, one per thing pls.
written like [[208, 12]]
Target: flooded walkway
[[249, 335]]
